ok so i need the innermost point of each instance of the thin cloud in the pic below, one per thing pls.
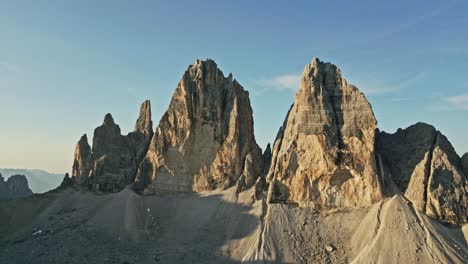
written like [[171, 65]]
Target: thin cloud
[[289, 82], [400, 99], [368, 88], [458, 102]]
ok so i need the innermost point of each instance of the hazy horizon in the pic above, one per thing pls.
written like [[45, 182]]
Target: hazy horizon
[[64, 65]]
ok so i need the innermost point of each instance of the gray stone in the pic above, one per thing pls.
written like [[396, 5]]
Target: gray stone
[[424, 166]]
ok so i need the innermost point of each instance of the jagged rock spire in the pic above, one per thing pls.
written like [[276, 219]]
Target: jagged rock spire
[[108, 120], [324, 154], [112, 162], [423, 165], [140, 139], [83, 160], [144, 124], [204, 137]]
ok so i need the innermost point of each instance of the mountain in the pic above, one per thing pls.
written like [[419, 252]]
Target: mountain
[[198, 189], [15, 187], [324, 154], [423, 165], [112, 162], [39, 181], [205, 140]]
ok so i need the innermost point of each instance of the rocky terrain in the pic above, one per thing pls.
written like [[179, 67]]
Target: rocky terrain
[[198, 189], [15, 187], [77, 226]]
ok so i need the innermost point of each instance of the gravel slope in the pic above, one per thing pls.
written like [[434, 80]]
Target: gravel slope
[[76, 226]]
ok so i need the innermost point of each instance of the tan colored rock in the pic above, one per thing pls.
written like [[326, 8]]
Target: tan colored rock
[[426, 169], [205, 136], [83, 161], [324, 153]]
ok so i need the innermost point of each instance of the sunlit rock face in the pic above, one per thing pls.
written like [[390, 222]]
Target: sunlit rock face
[[82, 161], [424, 166], [205, 140], [324, 152]]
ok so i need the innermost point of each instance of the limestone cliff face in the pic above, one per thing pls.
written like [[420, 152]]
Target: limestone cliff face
[[424, 166], [205, 139], [324, 153], [140, 138], [112, 162], [82, 161]]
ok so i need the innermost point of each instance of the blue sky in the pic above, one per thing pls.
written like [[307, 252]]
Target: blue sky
[[65, 64]]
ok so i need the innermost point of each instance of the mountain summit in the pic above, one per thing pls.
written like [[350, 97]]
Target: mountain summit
[[205, 137], [324, 153]]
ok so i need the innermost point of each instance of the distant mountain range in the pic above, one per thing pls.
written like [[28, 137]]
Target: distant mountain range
[[39, 181]]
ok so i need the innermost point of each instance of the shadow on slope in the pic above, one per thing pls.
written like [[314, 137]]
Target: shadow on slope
[[76, 226]]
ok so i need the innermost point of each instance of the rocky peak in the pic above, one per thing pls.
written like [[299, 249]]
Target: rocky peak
[[108, 120], [82, 161], [114, 164], [203, 139], [113, 160], [423, 165], [144, 124], [324, 154], [140, 138], [319, 75], [15, 187]]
